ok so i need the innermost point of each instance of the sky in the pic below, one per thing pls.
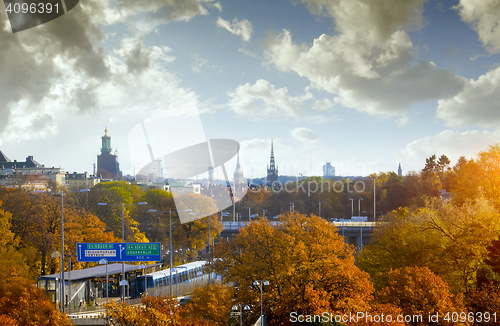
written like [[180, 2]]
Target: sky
[[363, 84]]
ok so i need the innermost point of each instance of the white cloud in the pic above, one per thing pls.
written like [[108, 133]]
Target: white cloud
[[273, 102], [243, 27], [376, 21], [304, 135], [402, 121], [145, 16], [450, 143], [322, 105], [484, 17], [376, 79], [478, 103], [218, 6]]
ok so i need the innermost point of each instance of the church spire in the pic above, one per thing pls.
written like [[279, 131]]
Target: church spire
[[272, 167]]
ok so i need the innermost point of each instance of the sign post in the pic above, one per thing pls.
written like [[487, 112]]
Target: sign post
[[118, 252]]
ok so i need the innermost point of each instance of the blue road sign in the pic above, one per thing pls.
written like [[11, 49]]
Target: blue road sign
[[119, 252]]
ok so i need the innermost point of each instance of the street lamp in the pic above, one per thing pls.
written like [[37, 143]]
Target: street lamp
[[240, 307], [57, 254], [145, 277], [361, 223], [223, 214], [169, 238], [292, 207], [374, 201], [249, 213], [352, 206], [122, 282], [320, 208], [176, 279], [102, 262], [259, 283], [62, 241]]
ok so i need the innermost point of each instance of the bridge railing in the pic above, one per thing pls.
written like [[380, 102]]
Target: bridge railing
[[229, 225]]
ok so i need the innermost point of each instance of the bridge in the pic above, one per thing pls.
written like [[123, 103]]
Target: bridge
[[354, 233]]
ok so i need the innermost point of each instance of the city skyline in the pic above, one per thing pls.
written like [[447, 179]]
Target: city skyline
[[364, 87]]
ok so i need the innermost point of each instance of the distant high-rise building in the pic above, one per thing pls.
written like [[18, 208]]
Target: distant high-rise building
[[107, 163], [210, 175], [400, 171], [238, 177], [328, 170], [272, 169]]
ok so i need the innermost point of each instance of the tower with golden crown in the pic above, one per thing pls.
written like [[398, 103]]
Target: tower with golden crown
[[107, 163]]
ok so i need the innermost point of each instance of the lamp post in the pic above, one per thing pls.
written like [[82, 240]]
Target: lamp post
[[352, 206], [57, 254], [145, 278], [259, 283], [102, 262], [123, 282], [361, 228], [169, 238], [374, 201], [176, 278], [249, 213], [320, 208], [240, 307], [292, 207], [62, 241]]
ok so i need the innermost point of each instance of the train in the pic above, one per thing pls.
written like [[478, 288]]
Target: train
[[194, 273]]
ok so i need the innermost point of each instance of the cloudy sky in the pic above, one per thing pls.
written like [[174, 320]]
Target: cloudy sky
[[363, 84]]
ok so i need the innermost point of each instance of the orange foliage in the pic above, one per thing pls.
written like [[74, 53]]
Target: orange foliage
[[213, 302], [309, 267], [418, 291], [155, 311], [22, 304]]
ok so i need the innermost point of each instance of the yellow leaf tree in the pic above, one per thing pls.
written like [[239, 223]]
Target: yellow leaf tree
[[309, 267]]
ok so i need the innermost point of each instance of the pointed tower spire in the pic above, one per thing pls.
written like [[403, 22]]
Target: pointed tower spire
[[272, 166], [400, 171]]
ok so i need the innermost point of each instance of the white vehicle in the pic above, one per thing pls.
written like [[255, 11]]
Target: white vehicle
[[359, 218]]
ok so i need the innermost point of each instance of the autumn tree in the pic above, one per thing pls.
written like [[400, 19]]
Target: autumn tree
[[212, 302], [419, 292], [451, 240], [154, 311], [117, 193], [11, 260], [485, 299], [36, 224], [22, 304], [192, 235], [309, 267]]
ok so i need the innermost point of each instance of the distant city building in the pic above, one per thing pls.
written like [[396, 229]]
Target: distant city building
[[210, 175], [184, 188], [400, 171], [28, 174], [272, 169], [328, 170], [107, 163], [240, 186], [77, 181]]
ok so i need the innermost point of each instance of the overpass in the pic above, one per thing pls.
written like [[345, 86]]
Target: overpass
[[354, 233]]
